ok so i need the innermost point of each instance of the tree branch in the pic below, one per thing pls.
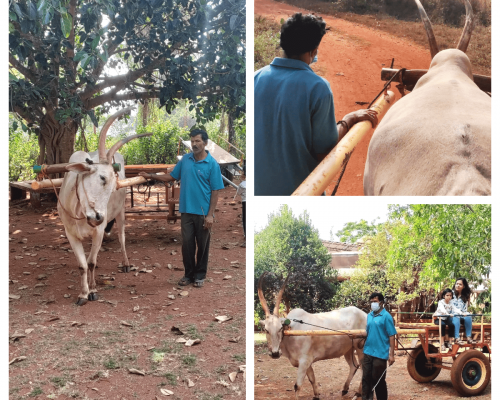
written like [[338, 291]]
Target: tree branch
[[23, 70]]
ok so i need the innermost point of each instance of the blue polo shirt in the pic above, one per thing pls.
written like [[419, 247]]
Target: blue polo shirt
[[379, 328], [294, 122], [199, 178]]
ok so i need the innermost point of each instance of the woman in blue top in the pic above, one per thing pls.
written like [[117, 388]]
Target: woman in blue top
[[461, 298]]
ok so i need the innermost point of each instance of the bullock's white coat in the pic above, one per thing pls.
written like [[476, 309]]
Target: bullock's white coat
[[435, 140], [302, 351], [99, 198]]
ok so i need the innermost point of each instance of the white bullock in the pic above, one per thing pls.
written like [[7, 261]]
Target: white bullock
[[303, 351], [88, 200], [437, 139]]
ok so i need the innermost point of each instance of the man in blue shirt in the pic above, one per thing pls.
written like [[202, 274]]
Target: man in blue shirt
[[294, 115], [201, 180], [379, 347]]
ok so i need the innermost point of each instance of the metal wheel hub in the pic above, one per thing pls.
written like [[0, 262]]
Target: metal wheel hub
[[471, 373]]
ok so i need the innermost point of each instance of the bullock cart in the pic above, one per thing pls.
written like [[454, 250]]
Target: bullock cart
[[469, 364]]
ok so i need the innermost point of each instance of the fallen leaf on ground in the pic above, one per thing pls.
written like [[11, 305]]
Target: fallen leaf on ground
[[166, 392], [17, 359], [136, 371], [67, 296], [227, 277], [41, 277], [28, 331], [23, 287], [184, 293], [171, 296], [175, 309], [223, 383], [235, 340], [173, 252], [54, 318], [192, 342], [232, 376], [16, 336], [181, 340], [223, 318], [169, 266], [125, 323], [14, 296], [190, 383], [136, 308], [176, 330]]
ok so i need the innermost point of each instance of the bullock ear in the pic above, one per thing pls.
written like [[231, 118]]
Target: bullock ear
[[262, 323], [80, 167]]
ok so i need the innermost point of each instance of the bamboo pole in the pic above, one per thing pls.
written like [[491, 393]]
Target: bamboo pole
[[355, 332], [39, 185], [316, 183]]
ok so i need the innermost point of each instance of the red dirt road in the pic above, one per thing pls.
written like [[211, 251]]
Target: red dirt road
[[351, 57], [86, 352]]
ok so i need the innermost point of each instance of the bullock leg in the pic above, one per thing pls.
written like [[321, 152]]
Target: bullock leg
[[350, 359], [312, 379], [301, 374], [120, 225], [77, 247], [92, 263], [360, 354]]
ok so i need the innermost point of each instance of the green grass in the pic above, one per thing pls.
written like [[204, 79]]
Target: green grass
[[259, 338], [239, 357], [111, 364], [59, 381], [193, 333], [188, 360], [266, 41], [171, 378], [35, 392]]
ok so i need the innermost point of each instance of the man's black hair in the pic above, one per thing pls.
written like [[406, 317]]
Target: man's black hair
[[301, 33], [196, 132], [380, 296]]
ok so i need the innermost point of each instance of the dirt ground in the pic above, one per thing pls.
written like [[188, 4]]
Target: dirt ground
[[274, 379], [351, 57], [86, 352]]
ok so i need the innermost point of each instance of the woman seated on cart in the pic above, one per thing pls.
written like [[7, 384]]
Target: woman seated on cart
[[461, 298], [444, 313]]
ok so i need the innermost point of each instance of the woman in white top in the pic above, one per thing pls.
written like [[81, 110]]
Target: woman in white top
[[447, 310]]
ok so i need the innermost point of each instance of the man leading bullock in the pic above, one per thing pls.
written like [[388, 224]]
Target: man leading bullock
[[201, 180]]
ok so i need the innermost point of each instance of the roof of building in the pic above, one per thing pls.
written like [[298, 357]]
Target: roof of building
[[338, 247]]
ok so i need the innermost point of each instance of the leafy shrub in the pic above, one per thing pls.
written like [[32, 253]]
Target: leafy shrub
[[23, 154]]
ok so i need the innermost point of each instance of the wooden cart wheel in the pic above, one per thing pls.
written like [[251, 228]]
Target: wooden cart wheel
[[418, 367], [470, 373]]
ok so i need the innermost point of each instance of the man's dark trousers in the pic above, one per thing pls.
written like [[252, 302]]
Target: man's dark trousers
[[373, 368], [194, 235]]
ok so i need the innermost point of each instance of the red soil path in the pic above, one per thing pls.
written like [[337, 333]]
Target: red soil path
[[351, 57]]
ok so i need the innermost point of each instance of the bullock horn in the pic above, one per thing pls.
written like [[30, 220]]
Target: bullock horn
[[261, 295], [279, 296], [104, 131], [428, 29], [467, 32], [120, 143]]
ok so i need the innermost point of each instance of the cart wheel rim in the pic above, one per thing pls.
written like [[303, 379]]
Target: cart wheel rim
[[473, 373]]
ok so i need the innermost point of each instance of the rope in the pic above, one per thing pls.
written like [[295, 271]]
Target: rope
[[59, 201], [346, 160]]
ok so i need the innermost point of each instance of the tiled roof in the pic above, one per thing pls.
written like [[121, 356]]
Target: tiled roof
[[337, 247]]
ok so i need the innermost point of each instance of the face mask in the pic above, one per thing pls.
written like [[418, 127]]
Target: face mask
[[375, 307]]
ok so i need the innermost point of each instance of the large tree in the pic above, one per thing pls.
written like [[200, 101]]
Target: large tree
[[290, 245], [71, 58]]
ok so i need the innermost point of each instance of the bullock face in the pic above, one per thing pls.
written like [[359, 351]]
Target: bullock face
[[273, 326], [95, 185]]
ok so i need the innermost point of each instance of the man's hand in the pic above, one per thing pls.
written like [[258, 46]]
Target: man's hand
[[209, 220], [391, 360], [362, 115]]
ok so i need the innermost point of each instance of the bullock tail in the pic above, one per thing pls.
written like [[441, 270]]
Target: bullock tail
[[109, 226]]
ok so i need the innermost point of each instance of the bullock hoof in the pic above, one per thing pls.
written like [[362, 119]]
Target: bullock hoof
[[93, 296], [126, 268], [81, 302], [315, 398], [344, 392]]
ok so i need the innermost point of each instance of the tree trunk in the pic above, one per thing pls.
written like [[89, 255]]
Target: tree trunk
[[56, 141], [231, 135], [145, 112]]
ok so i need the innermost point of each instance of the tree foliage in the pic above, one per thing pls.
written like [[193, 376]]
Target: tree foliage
[[68, 57], [353, 231], [421, 250], [290, 245]]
